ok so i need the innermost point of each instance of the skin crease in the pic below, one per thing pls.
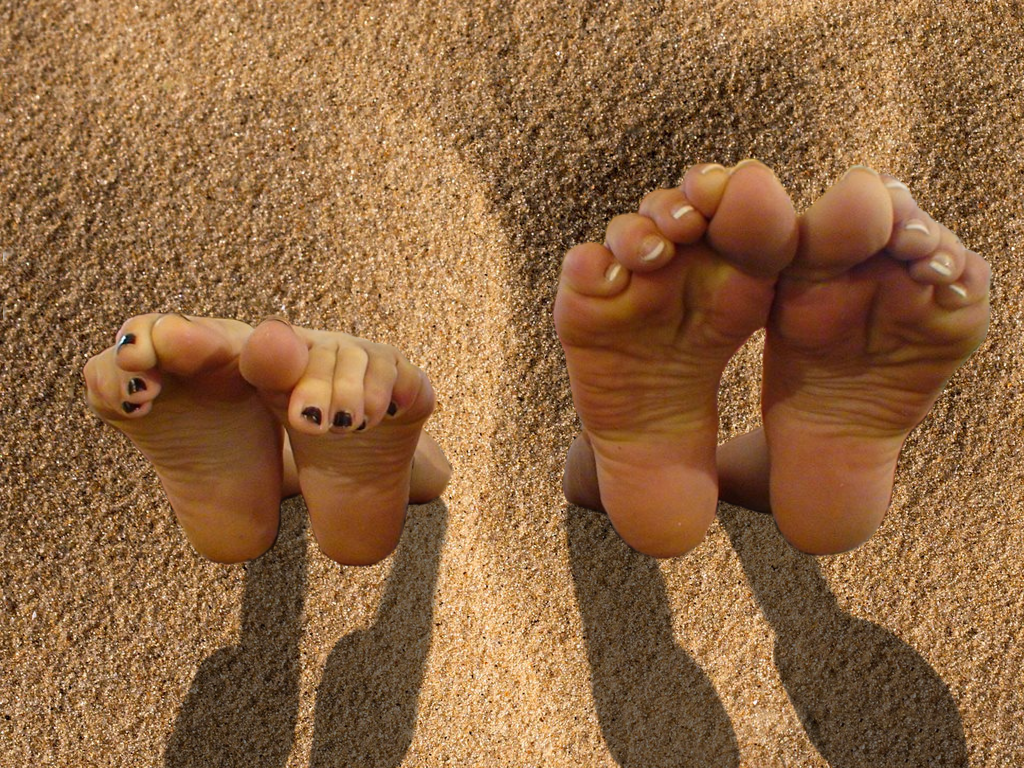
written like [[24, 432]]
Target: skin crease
[[216, 406], [869, 307]]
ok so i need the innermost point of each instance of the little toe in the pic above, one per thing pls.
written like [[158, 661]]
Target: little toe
[[638, 243], [591, 270], [970, 289], [847, 225], [378, 384], [675, 216], [104, 391], [412, 395]]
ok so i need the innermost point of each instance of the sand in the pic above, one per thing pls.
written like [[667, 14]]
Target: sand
[[412, 172]]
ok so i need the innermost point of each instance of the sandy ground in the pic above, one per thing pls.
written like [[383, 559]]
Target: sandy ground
[[412, 172]]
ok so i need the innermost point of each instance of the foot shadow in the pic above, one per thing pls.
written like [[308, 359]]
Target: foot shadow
[[369, 694], [243, 704], [656, 707], [864, 696]]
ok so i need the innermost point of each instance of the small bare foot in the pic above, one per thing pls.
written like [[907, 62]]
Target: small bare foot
[[878, 309], [648, 323], [172, 385], [354, 412]]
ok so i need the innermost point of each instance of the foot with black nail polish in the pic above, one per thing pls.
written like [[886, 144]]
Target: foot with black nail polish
[[353, 411], [171, 383]]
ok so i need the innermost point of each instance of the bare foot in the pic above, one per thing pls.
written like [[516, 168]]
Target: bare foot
[[172, 385], [354, 412], [648, 323], [878, 309]]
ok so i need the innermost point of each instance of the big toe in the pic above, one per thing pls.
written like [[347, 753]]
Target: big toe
[[847, 225], [274, 357], [752, 220]]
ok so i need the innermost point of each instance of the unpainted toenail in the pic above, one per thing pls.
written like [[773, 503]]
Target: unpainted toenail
[[124, 341], [869, 169], [681, 211], [916, 225], [612, 272], [942, 263], [312, 413], [712, 168], [130, 407], [959, 290], [136, 385], [893, 184], [342, 419], [655, 252]]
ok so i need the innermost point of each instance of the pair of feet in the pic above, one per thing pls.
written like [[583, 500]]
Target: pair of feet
[[869, 306], [234, 419]]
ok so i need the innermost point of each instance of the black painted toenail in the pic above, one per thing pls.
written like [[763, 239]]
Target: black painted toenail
[[362, 426], [313, 414], [128, 338], [130, 407], [392, 408], [136, 385], [343, 419]]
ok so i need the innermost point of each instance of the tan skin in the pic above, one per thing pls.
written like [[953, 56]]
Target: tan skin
[[869, 306]]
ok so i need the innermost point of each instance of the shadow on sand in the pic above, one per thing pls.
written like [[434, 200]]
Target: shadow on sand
[[244, 701], [242, 708], [864, 696], [369, 692], [656, 707]]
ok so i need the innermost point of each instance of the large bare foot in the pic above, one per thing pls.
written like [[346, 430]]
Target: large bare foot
[[354, 412], [172, 385], [648, 323], [878, 309]]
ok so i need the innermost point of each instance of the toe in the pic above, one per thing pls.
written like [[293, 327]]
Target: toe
[[638, 244], [412, 394], [188, 346], [914, 235], [138, 391], [310, 401], [591, 270], [754, 225], [847, 225], [378, 384], [969, 290], [103, 385], [347, 397], [274, 358], [704, 185], [675, 216], [133, 345], [943, 265]]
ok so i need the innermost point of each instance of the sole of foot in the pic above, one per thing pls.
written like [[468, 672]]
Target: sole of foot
[[171, 384], [648, 322], [879, 308], [354, 412]]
